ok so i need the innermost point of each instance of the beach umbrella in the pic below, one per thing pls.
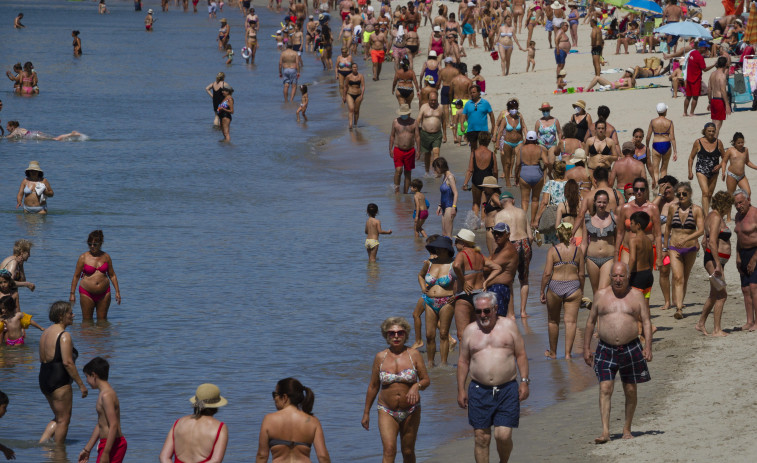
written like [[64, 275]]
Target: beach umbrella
[[646, 6], [751, 26], [684, 29], [618, 3]]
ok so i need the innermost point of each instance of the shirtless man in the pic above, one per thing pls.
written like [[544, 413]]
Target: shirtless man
[[433, 129], [672, 14], [618, 309], [720, 104], [521, 237], [369, 28], [378, 51], [601, 182], [17, 22], [490, 350], [746, 247], [562, 46], [626, 168], [446, 75], [506, 256], [549, 24], [412, 18], [345, 6], [296, 39], [664, 200], [597, 43], [149, 20], [300, 11], [623, 234], [461, 85], [289, 69], [426, 93], [404, 143]]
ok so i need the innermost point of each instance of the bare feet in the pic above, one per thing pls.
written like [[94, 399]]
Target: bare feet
[[679, 314], [417, 345], [748, 327], [627, 435], [568, 357], [719, 334], [549, 354], [452, 343], [603, 439], [665, 306], [699, 327], [654, 329], [523, 314]]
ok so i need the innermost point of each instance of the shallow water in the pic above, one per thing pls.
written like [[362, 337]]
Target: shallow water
[[239, 264]]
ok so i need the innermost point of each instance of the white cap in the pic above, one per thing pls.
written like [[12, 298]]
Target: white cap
[[432, 53], [471, 4], [705, 23], [437, 29], [370, 9], [449, 59], [661, 108], [531, 135]]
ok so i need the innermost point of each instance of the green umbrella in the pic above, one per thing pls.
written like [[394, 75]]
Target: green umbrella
[[618, 3]]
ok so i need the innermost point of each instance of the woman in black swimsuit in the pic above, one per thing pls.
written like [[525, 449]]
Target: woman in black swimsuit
[[708, 152], [215, 92], [405, 83], [354, 89], [582, 119], [58, 371], [600, 149], [481, 156]]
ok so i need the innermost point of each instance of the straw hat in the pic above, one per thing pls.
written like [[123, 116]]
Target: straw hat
[[223, 20], [629, 70], [404, 110], [563, 73], [578, 155], [580, 104], [209, 396], [466, 235], [34, 165], [545, 106], [490, 182]]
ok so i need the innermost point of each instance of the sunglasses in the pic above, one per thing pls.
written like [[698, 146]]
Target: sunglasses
[[392, 334], [274, 394], [682, 195], [637, 188], [483, 311], [94, 243]]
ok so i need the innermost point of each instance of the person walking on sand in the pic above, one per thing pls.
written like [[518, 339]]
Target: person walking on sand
[[717, 242], [373, 230], [521, 237], [378, 46], [626, 169], [493, 352], [112, 443], [475, 113], [432, 124], [597, 43], [617, 309], [746, 260], [404, 143], [720, 103], [734, 161], [663, 137], [290, 64], [695, 67]]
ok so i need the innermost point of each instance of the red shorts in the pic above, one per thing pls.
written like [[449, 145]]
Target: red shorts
[[717, 109], [117, 452], [378, 56], [404, 159], [693, 88], [344, 14]]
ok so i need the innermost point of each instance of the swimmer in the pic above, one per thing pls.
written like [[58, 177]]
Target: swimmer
[[77, 43], [101, 8], [373, 230], [304, 104], [17, 22], [149, 20], [13, 323], [18, 133]]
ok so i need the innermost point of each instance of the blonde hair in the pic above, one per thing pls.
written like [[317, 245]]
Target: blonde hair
[[392, 321], [565, 233]]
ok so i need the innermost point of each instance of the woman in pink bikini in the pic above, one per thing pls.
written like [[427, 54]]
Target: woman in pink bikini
[[95, 268]]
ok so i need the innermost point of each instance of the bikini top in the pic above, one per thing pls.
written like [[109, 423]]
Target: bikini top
[[90, 270], [725, 235], [176, 459], [605, 151], [664, 133], [489, 207], [688, 224], [353, 82], [288, 443], [596, 232], [409, 375], [443, 281], [27, 190], [564, 262], [470, 264], [506, 34], [509, 127]]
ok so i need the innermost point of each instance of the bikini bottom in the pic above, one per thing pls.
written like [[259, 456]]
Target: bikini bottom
[[97, 297], [564, 288], [599, 261], [436, 303], [398, 415]]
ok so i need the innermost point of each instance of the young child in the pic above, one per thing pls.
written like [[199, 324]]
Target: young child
[[229, 53], [531, 58], [373, 230], [735, 159], [459, 130], [9, 454], [8, 287], [303, 104], [561, 83], [641, 257], [13, 323], [112, 446], [420, 212]]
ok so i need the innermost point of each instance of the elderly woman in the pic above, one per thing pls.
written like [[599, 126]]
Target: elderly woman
[[397, 377], [95, 268], [15, 264], [482, 165], [448, 201], [552, 194], [437, 285], [684, 225], [198, 437], [34, 190], [354, 88], [225, 110], [510, 133], [708, 152], [529, 174], [58, 370], [717, 242], [214, 90], [599, 241], [405, 83], [663, 142], [561, 286], [289, 433]]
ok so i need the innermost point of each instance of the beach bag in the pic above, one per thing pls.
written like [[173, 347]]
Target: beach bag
[[547, 220]]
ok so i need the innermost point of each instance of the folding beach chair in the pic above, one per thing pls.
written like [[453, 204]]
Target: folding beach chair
[[739, 90]]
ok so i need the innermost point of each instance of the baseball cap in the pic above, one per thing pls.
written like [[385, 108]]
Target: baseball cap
[[629, 146], [501, 227], [531, 135], [506, 195]]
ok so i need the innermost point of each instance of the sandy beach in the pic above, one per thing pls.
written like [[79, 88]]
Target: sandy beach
[[696, 406]]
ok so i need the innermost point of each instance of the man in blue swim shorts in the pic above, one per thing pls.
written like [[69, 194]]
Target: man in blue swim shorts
[[617, 310], [506, 256], [491, 349]]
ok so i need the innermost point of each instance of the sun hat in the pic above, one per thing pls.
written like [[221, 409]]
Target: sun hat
[[555, 5], [149, 11], [695, 19], [449, 59], [471, 4], [432, 53], [34, 165], [223, 20], [208, 396], [501, 227], [370, 9], [544, 106], [563, 73], [404, 110], [443, 242], [437, 29], [661, 108], [490, 182], [705, 23], [506, 195], [578, 155], [566, 225], [580, 104], [629, 70], [628, 146], [466, 235], [531, 136]]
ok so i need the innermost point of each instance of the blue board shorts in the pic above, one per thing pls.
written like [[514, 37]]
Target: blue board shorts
[[549, 26], [468, 29], [493, 405], [503, 298], [290, 76], [560, 56]]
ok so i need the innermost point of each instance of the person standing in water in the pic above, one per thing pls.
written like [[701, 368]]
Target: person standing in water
[[372, 231], [95, 269], [149, 20], [77, 43], [34, 190], [404, 143], [289, 69], [112, 443]]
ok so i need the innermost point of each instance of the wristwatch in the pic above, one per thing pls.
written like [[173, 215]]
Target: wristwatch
[[525, 380]]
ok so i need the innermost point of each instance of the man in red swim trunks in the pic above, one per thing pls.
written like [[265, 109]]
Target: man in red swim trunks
[[718, 94], [695, 66], [378, 50], [404, 141]]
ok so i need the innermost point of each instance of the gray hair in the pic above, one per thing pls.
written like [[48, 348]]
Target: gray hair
[[486, 295], [741, 192]]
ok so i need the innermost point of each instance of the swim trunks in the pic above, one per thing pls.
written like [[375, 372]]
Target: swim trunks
[[117, 451], [404, 159], [560, 56], [693, 89], [468, 29], [628, 359], [290, 76], [746, 256], [523, 248], [549, 26], [148, 27], [429, 141], [643, 281], [444, 97], [493, 405], [367, 36], [596, 51], [717, 109], [503, 298], [378, 56]]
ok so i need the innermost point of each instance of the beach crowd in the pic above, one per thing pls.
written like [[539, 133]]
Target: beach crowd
[[602, 205]]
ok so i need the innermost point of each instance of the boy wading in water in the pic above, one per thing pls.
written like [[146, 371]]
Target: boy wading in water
[[373, 230], [112, 446]]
